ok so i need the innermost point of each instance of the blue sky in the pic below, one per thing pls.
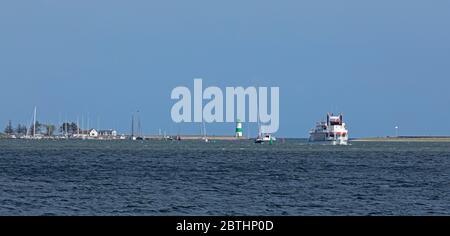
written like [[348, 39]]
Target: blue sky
[[382, 63]]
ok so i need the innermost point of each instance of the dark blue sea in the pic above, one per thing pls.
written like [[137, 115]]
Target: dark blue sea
[[223, 178]]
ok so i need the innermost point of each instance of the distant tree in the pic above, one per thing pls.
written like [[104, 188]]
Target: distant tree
[[21, 129], [69, 128], [9, 129], [64, 128], [49, 129], [74, 128]]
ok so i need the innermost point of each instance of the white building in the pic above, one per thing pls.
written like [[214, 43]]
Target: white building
[[93, 133], [108, 133]]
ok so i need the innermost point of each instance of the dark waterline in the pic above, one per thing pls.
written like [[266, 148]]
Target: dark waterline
[[223, 178]]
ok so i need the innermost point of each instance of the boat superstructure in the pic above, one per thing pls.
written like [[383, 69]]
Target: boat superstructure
[[264, 137], [332, 131]]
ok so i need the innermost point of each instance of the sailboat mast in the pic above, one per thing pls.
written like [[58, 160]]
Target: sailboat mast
[[259, 128], [78, 127], [248, 130], [34, 122], [139, 127], [132, 125], [204, 129], [139, 131]]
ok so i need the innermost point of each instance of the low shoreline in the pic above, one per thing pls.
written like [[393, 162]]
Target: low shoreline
[[124, 138], [233, 138], [404, 139]]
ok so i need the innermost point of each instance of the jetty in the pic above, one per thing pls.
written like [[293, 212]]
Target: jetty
[[194, 137], [404, 139]]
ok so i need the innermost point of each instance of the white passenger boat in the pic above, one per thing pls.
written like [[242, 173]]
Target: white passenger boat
[[333, 131]]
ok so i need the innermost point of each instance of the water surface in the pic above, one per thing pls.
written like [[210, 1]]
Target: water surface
[[223, 178]]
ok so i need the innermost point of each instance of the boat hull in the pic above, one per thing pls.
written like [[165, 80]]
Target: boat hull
[[322, 138], [332, 142]]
